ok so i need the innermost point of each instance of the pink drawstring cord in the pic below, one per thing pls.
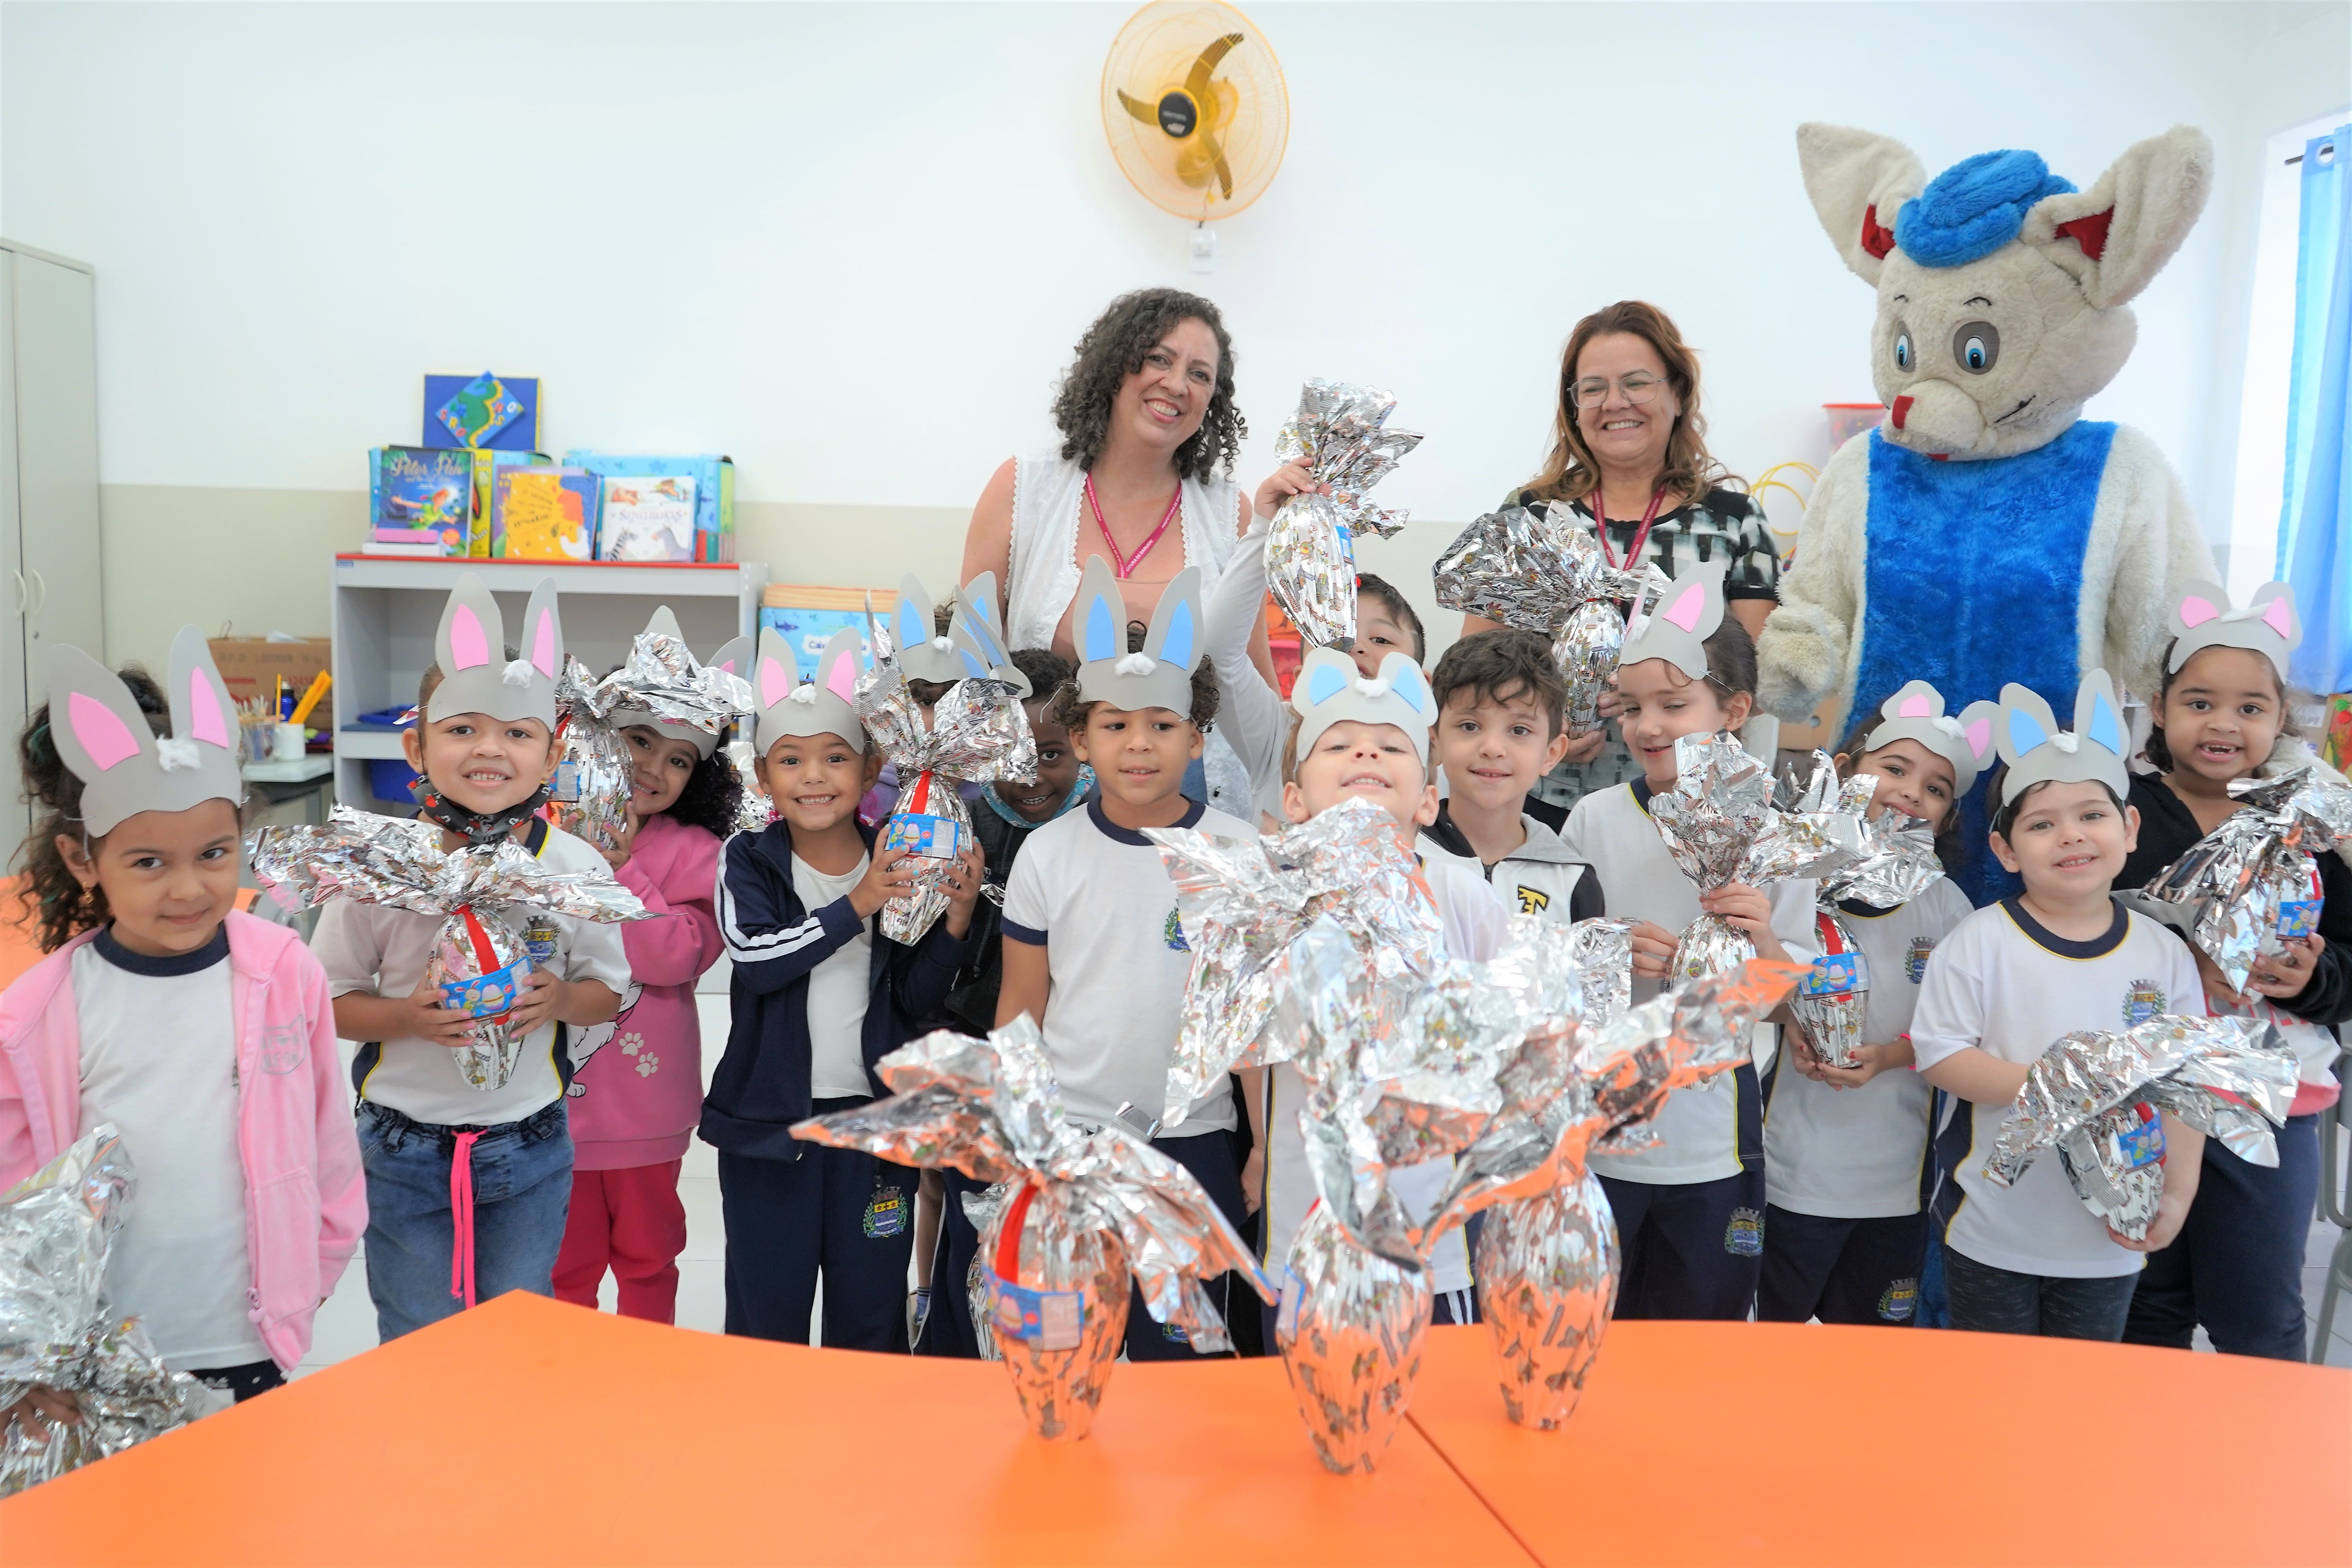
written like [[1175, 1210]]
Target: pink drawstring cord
[[461, 1217]]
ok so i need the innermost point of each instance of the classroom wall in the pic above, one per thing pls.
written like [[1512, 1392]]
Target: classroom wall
[[850, 245]]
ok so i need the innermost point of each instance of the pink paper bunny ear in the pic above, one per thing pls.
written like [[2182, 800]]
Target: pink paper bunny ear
[[776, 682], [543, 631], [1915, 706], [1975, 728], [102, 734], [470, 645], [2279, 616], [1686, 605], [841, 679], [2195, 610]]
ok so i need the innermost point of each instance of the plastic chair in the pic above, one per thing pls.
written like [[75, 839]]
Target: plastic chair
[[2335, 1208]]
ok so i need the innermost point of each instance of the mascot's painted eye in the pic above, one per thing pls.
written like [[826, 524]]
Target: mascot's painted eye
[[1902, 349], [1977, 345]]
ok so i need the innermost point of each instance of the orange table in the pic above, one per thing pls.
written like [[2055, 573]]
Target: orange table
[[1709, 1443], [528, 1432]]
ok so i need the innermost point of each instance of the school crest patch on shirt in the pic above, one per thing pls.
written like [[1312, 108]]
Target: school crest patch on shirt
[[1172, 932], [885, 1214], [1744, 1237], [1899, 1300], [2143, 1001], [1532, 901], [1914, 960]]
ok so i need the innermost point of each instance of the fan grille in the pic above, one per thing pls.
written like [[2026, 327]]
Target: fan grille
[[1194, 107]]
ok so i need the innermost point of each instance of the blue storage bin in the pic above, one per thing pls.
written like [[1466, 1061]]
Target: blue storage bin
[[389, 778]]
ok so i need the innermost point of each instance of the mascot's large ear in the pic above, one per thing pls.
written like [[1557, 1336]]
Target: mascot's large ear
[[1856, 180], [2115, 235]]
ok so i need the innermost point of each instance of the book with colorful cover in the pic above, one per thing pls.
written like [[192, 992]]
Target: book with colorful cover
[[714, 490], [649, 519], [543, 514], [487, 464], [420, 501], [497, 411], [805, 615]]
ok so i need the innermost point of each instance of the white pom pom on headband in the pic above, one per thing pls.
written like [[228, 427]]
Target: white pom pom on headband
[[1329, 689]]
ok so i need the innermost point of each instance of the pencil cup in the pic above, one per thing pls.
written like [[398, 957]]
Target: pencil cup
[[288, 742]]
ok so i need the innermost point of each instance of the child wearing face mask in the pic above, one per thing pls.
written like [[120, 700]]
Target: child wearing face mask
[[1846, 1160], [1251, 716], [636, 1082], [202, 1033], [2220, 714], [1690, 1211]]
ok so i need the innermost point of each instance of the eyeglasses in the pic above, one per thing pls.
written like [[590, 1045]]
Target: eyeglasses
[[1635, 387]]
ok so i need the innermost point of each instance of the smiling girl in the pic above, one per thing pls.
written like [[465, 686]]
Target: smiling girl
[[637, 1084], [203, 1033], [2221, 716]]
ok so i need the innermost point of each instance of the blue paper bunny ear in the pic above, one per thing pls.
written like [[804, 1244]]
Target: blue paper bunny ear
[[1407, 682], [910, 623], [2025, 732], [1325, 681], [976, 613], [1102, 614], [2096, 718], [1174, 636], [1329, 689]]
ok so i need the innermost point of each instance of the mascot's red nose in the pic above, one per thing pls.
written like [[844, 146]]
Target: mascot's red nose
[[1902, 411]]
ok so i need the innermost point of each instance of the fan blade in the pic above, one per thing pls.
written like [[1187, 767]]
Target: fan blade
[[1217, 159], [1198, 82], [1148, 114]]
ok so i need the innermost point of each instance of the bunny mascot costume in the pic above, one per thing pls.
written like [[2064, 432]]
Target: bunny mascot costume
[[1987, 534]]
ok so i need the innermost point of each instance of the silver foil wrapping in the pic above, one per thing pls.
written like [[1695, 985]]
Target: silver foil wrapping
[[1721, 825], [977, 733], [56, 1327], [1897, 862], [1546, 1260], [1340, 433], [398, 862], [2093, 1096], [2237, 888], [1350, 1329], [1245, 900], [1104, 1208], [756, 810], [1529, 570], [660, 680]]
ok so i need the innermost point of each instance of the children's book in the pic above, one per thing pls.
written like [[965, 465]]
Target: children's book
[[499, 412], [714, 492], [487, 464], [649, 519], [420, 501], [543, 514]]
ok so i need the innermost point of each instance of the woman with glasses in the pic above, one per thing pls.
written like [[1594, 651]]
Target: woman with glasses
[[1629, 460]]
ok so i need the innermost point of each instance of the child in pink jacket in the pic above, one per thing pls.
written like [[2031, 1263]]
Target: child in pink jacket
[[205, 1036], [636, 1084]]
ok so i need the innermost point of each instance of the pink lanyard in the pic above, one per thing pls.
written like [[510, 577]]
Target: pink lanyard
[[1601, 526], [1121, 565]]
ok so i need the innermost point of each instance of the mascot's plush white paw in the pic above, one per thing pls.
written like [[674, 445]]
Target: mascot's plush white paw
[[1797, 665]]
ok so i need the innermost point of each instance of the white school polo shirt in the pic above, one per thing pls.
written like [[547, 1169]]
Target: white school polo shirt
[[2003, 984]]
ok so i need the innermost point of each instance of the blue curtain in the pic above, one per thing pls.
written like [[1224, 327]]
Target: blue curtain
[[2314, 538]]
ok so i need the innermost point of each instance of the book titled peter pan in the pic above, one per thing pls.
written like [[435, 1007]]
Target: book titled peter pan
[[419, 500]]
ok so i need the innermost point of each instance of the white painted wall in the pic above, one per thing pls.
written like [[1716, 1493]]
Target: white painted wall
[[850, 245]]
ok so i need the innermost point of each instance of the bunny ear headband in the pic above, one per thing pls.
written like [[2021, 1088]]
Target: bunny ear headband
[[923, 655], [1917, 713], [105, 742], [2267, 625], [1329, 691], [1687, 614], [470, 648], [789, 706], [2038, 752], [1161, 675], [729, 659], [979, 639]]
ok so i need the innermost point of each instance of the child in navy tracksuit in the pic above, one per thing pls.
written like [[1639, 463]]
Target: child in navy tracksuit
[[819, 994]]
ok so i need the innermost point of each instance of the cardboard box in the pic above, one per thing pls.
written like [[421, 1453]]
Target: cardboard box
[[250, 666]]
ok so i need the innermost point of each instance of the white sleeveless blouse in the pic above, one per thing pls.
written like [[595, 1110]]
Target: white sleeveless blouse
[[1042, 578]]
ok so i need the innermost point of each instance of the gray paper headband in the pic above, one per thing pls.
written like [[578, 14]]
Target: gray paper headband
[[1161, 675], [1687, 614], [2038, 752], [1917, 713], [791, 706], [1330, 691], [104, 741], [2267, 625]]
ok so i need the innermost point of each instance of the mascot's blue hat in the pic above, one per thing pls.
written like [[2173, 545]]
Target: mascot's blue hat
[[1974, 207]]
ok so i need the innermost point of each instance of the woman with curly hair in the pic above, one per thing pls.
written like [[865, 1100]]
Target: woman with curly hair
[[1629, 460], [635, 1088], [1143, 478]]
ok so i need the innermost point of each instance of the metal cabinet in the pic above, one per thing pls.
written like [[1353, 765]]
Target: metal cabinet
[[49, 580]]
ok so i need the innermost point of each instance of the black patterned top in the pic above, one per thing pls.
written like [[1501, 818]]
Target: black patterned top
[[1720, 522]]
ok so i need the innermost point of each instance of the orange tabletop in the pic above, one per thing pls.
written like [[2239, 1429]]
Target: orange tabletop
[[1714, 1443], [528, 1432]]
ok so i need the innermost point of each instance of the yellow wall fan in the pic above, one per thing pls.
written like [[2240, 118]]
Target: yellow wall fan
[[1194, 104]]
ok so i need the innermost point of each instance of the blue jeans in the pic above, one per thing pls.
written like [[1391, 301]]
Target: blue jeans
[[1993, 1301], [522, 1186]]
